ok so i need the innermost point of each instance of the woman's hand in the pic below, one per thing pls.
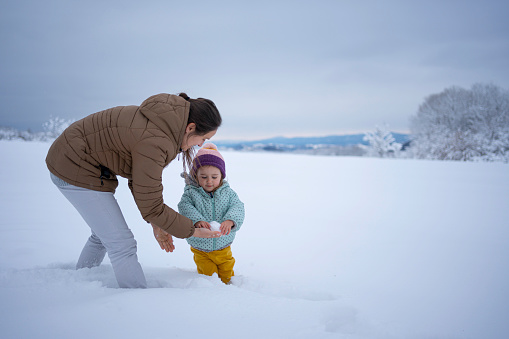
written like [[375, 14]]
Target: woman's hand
[[164, 239], [205, 233], [226, 227]]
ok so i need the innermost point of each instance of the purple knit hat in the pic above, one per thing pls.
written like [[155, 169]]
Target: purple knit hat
[[208, 155]]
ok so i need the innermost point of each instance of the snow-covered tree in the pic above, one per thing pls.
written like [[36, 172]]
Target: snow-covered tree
[[55, 126], [381, 143], [460, 124], [8, 133]]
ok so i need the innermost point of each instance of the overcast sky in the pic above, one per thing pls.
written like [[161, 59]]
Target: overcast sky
[[273, 68]]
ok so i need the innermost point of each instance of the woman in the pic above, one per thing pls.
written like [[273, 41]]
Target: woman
[[135, 142]]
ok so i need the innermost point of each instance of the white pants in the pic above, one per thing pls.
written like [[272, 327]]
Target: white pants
[[110, 234]]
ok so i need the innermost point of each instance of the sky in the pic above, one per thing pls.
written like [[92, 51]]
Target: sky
[[273, 68]]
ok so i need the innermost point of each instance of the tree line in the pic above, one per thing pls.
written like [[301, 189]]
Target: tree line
[[463, 124], [455, 124]]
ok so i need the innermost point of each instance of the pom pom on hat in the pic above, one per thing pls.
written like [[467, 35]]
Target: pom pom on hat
[[208, 155]]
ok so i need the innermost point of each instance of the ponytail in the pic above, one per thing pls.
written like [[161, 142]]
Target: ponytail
[[205, 115]]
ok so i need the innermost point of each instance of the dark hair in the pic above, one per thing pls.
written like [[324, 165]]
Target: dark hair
[[205, 115]]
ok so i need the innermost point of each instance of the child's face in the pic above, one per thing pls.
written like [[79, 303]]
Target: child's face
[[209, 178]]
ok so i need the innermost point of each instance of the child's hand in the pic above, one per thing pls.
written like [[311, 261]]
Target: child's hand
[[202, 224], [226, 227]]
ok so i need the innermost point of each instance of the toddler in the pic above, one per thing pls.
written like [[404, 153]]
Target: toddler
[[208, 200]]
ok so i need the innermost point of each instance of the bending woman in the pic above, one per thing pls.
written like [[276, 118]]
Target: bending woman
[[135, 142]]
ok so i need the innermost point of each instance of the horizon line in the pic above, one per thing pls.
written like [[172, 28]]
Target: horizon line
[[298, 136]]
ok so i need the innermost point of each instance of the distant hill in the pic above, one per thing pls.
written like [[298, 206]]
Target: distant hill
[[298, 142]]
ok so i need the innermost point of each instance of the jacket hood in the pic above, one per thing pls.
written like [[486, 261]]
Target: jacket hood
[[169, 113], [189, 179]]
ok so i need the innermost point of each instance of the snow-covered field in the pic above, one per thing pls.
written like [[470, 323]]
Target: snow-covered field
[[332, 247]]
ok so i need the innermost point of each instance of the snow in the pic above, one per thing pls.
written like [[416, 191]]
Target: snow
[[215, 226], [332, 247]]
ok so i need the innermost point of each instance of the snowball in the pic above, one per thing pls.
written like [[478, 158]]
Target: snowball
[[215, 226]]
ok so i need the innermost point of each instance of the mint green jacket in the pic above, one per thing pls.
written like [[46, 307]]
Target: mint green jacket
[[221, 205]]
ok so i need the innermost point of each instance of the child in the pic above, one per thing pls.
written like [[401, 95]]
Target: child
[[208, 199]]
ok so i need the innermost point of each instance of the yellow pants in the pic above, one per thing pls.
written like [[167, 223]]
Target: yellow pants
[[220, 262]]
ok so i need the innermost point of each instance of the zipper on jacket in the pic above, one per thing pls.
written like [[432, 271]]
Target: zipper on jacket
[[105, 173], [214, 241]]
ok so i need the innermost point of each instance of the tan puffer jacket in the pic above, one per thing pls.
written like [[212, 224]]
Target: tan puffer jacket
[[135, 142]]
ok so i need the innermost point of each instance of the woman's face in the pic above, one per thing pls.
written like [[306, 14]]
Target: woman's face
[[191, 140]]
